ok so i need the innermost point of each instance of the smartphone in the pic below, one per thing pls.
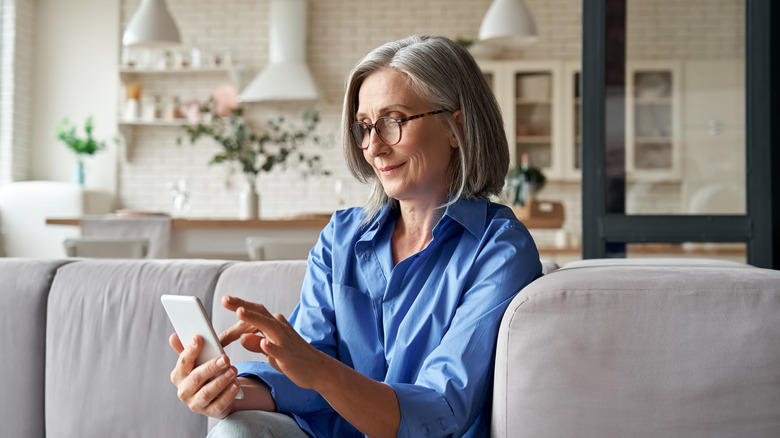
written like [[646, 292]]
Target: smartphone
[[189, 318]]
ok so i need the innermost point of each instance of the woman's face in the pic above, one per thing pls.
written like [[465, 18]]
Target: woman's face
[[417, 168]]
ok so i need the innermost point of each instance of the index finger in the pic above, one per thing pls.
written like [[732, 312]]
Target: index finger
[[233, 303], [235, 331], [176, 343]]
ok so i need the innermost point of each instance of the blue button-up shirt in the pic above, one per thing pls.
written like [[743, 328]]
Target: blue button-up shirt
[[427, 326]]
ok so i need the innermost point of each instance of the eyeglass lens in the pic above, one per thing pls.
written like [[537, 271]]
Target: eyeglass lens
[[388, 129]]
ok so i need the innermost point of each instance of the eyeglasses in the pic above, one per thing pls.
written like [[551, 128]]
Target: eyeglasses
[[387, 128]]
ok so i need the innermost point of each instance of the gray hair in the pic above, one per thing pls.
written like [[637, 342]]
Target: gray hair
[[445, 74]]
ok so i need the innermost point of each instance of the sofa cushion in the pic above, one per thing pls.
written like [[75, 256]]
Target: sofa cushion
[[107, 341], [24, 287], [651, 349], [548, 266], [275, 284]]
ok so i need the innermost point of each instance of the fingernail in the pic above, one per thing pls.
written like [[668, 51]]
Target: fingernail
[[221, 361]]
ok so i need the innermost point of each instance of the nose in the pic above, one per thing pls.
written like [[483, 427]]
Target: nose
[[375, 144]]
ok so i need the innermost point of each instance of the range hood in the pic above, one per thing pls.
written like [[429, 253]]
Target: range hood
[[287, 77]]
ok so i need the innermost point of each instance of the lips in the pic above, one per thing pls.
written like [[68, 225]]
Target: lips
[[389, 170]]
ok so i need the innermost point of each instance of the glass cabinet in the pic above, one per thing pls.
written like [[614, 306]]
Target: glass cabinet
[[541, 106], [653, 94], [530, 97]]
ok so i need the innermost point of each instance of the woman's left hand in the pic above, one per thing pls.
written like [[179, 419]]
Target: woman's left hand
[[272, 335]]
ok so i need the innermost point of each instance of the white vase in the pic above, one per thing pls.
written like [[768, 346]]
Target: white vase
[[248, 202]]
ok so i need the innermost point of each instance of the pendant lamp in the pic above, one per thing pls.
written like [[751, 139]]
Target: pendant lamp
[[509, 23], [151, 25]]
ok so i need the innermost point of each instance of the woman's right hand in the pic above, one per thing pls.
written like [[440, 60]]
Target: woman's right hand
[[213, 398]]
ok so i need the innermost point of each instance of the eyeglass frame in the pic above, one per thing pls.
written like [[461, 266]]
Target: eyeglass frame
[[372, 126]]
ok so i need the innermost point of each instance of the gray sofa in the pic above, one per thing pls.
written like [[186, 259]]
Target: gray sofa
[[595, 349]]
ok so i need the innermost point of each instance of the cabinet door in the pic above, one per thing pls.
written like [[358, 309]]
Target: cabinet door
[[536, 116], [497, 77], [572, 138], [653, 92]]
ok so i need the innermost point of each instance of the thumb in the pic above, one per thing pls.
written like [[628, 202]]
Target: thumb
[[252, 342]]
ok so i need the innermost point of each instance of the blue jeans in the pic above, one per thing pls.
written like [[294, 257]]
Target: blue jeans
[[257, 424]]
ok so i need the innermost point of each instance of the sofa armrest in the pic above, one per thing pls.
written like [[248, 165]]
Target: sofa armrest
[[641, 349]]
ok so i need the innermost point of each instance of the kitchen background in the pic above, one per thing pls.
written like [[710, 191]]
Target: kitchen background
[[68, 55]]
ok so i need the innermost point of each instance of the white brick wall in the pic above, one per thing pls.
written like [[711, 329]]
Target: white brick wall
[[340, 32], [17, 89]]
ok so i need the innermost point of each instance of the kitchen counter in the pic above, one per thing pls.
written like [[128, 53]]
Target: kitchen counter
[[307, 221], [225, 238]]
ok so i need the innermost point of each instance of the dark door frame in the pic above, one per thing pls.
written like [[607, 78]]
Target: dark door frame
[[605, 226]]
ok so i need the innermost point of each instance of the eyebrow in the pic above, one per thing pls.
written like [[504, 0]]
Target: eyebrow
[[385, 109]]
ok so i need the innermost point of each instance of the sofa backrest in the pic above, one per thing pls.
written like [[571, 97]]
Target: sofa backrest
[[648, 348], [24, 289], [107, 342]]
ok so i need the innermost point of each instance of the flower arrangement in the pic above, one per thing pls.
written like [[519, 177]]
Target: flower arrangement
[[278, 146]]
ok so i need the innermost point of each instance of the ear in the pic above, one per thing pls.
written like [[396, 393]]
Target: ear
[[458, 116]]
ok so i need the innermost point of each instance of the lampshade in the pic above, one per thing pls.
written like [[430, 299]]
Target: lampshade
[[151, 25], [508, 22]]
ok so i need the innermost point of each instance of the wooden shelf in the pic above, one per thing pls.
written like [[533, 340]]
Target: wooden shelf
[[524, 101], [527, 139], [156, 122], [204, 70]]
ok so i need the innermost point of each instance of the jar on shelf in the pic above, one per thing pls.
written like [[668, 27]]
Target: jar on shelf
[[150, 108], [171, 109], [181, 59]]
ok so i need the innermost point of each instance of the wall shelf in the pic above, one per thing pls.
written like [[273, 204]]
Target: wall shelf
[[145, 76]]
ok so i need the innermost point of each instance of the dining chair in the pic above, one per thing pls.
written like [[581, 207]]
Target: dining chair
[[263, 248], [98, 247]]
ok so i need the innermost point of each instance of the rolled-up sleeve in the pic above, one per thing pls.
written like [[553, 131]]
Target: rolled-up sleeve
[[313, 319]]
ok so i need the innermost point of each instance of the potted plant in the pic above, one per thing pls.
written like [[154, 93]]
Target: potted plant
[[523, 182], [277, 146], [65, 131]]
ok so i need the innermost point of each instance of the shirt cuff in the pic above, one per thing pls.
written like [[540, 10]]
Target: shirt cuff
[[424, 412], [288, 396]]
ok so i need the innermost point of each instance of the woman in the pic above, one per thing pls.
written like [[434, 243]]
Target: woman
[[396, 329]]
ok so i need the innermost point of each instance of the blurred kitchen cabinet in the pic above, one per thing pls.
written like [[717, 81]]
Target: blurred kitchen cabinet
[[541, 106], [653, 120], [531, 98]]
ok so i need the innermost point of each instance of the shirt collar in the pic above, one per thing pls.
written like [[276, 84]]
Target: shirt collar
[[377, 223], [469, 213]]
